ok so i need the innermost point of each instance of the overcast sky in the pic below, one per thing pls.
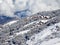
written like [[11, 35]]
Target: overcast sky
[[8, 7]]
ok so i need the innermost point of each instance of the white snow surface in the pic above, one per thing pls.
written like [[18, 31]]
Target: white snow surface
[[39, 39], [22, 32], [11, 22]]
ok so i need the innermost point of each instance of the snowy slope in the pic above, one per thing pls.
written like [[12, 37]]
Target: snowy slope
[[40, 27], [33, 30], [49, 36]]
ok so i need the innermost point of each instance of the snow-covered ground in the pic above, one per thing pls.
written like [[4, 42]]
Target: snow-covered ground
[[11, 22], [32, 33], [42, 38], [38, 30]]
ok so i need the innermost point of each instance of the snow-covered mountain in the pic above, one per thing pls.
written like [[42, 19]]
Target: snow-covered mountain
[[29, 22], [37, 29]]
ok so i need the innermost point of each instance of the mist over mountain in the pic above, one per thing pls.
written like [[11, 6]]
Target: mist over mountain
[[27, 7]]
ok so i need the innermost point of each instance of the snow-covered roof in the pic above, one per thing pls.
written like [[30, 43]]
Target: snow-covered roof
[[11, 22]]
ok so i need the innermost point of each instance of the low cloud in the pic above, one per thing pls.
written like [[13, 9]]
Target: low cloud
[[8, 7]]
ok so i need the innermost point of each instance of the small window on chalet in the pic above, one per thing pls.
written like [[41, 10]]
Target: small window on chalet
[[27, 37], [53, 22], [48, 24], [13, 42], [11, 30], [35, 19], [11, 33], [54, 12], [17, 28]]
